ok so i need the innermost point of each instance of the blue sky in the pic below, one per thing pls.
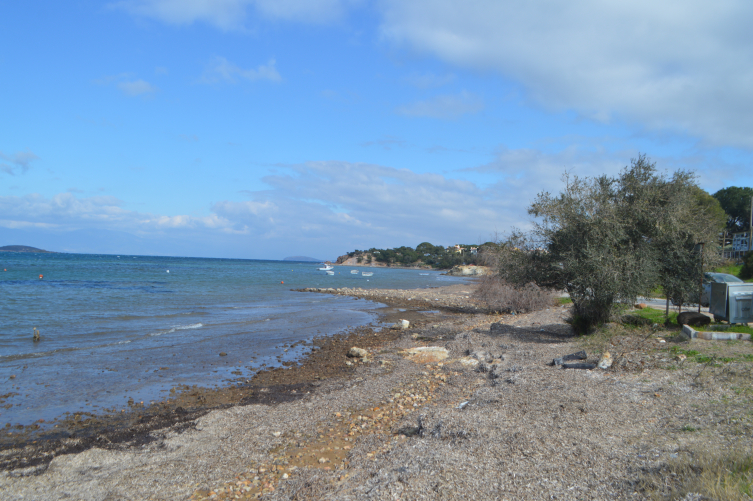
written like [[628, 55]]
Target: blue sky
[[268, 128]]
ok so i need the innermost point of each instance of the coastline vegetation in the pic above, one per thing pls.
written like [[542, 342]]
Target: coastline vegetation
[[607, 240], [425, 254]]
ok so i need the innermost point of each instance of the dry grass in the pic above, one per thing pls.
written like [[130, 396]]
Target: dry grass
[[503, 297], [718, 475]]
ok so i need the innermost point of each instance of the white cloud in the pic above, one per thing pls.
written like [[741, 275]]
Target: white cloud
[[429, 80], [339, 205], [231, 14], [447, 107], [682, 65], [328, 208], [15, 162], [220, 69], [136, 88], [224, 14]]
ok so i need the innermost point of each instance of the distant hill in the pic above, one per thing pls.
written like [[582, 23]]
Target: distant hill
[[303, 258], [20, 248]]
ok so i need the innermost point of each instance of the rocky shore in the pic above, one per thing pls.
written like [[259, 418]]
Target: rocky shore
[[457, 298], [460, 405]]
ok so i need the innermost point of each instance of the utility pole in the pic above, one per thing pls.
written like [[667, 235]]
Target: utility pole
[[700, 285]]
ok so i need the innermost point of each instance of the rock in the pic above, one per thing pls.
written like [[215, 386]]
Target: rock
[[276, 433], [580, 355], [579, 366], [680, 357], [401, 324], [640, 306], [605, 362], [482, 356], [468, 271], [692, 318], [426, 354], [355, 352], [470, 361], [498, 328]]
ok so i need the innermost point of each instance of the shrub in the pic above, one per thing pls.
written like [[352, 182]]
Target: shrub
[[503, 297]]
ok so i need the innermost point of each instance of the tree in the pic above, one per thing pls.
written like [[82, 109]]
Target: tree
[[735, 202], [608, 240]]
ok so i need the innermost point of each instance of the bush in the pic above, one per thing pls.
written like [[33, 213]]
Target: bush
[[746, 272], [503, 297]]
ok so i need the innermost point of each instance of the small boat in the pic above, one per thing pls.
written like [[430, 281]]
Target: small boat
[[354, 272], [330, 272], [367, 273], [326, 268], [423, 273]]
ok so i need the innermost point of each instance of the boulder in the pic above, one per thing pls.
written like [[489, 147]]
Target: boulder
[[693, 318], [355, 352], [427, 354], [401, 324], [605, 362]]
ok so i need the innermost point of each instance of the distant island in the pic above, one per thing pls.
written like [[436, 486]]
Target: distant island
[[303, 258], [21, 248]]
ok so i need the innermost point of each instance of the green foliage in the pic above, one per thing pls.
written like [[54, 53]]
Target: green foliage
[[425, 253], [608, 240], [736, 203]]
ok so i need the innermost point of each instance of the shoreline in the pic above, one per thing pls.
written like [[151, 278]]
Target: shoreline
[[33, 446], [493, 420]]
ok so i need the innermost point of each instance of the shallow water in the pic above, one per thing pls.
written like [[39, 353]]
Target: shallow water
[[120, 327]]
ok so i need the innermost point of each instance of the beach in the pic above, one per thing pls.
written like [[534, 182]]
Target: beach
[[493, 420]]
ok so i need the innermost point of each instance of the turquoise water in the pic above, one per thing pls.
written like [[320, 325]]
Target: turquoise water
[[120, 327]]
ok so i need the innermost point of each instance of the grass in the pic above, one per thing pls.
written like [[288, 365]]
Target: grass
[[730, 269], [564, 300], [726, 476], [656, 316]]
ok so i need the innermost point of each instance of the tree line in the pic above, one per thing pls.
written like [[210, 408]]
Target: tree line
[[428, 254]]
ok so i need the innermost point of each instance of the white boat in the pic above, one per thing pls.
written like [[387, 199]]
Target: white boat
[[423, 273], [367, 273], [354, 272], [326, 268], [330, 272]]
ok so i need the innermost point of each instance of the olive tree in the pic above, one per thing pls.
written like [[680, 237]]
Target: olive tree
[[607, 240]]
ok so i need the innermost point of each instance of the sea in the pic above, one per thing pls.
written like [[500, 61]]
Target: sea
[[114, 328]]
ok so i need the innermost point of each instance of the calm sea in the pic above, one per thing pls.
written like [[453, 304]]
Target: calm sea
[[120, 327]]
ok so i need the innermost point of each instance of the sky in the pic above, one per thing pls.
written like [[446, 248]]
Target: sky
[[262, 129]]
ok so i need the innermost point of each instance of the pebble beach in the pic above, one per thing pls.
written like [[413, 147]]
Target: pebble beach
[[460, 405]]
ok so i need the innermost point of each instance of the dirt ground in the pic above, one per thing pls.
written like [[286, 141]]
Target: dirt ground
[[493, 420]]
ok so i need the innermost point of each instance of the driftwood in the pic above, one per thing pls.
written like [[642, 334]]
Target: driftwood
[[580, 355], [579, 366]]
